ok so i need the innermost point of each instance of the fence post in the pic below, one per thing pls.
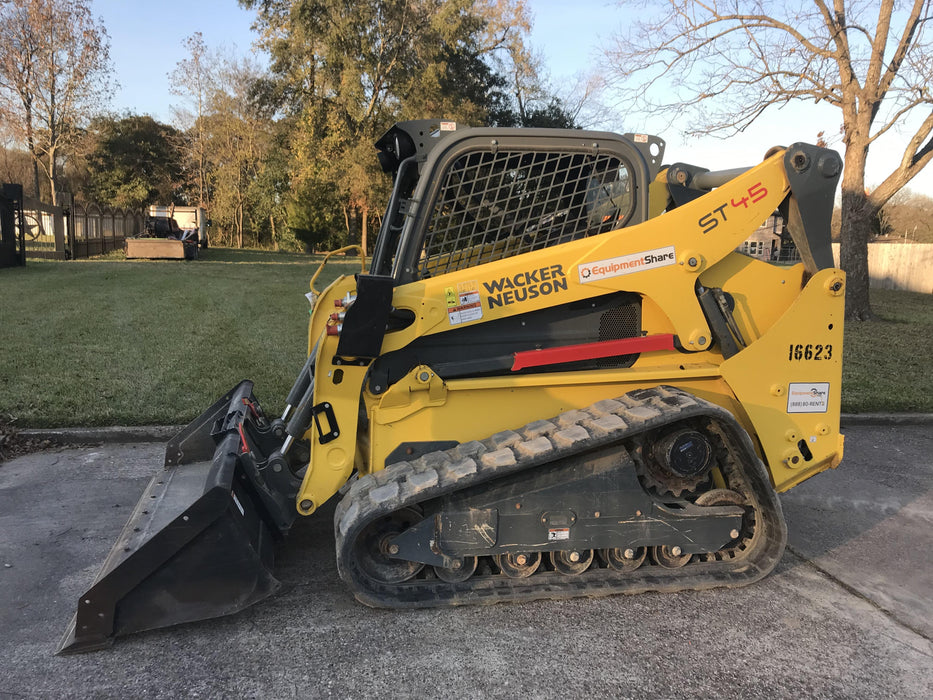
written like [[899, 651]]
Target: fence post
[[58, 223], [12, 226]]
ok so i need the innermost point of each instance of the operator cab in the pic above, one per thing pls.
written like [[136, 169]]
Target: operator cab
[[464, 197]]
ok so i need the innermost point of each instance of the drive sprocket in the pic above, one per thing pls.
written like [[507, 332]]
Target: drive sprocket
[[676, 462]]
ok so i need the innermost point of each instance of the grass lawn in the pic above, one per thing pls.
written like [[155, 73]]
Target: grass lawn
[[115, 342], [885, 363]]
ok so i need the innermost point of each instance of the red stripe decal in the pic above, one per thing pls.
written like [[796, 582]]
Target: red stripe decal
[[592, 351]]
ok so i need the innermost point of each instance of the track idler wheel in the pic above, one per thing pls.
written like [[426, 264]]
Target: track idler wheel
[[727, 497], [521, 565], [459, 570], [375, 553], [721, 497], [624, 559], [572, 562]]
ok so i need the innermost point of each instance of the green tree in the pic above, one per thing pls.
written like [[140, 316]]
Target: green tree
[[722, 65], [271, 187], [345, 72], [523, 97], [134, 161], [237, 136], [233, 145]]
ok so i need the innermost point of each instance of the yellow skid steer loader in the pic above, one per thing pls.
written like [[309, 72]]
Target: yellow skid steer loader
[[557, 378]]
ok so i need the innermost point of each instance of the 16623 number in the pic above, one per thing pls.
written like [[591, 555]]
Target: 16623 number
[[809, 352]]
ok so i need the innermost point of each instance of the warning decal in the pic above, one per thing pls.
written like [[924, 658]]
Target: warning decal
[[558, 533], [463, 303]]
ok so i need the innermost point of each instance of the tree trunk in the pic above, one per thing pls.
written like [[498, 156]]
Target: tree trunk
[[53, 178], [31, 145], [35, 176], [365, 230], [856, 227], [275, 241], [857, 230]]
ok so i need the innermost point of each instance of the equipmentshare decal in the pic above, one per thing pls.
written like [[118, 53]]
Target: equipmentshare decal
[[808, 397], [626, 264]]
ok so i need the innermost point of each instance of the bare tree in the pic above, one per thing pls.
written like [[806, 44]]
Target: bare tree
[[54, 69], [239, 136], [724, 63], [583, 97], [15, 164], [194, 80], [908, 217]]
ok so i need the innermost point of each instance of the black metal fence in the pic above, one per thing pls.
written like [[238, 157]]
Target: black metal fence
[[73, 231], [12, 228], [96, 230], [44, 229]]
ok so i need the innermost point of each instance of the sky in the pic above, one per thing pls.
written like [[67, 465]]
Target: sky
[[146, 43]]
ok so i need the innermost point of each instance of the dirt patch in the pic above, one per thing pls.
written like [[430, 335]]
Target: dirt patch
[[15, 444]]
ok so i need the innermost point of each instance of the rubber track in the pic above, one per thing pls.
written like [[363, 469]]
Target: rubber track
[[604, 423]]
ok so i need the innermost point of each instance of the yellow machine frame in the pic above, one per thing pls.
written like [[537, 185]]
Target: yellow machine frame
[[784, 387]]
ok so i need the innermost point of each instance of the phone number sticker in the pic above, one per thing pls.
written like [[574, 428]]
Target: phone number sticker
[[808, 397]]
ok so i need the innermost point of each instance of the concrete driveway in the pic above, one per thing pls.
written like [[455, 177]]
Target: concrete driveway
[[848, 612]]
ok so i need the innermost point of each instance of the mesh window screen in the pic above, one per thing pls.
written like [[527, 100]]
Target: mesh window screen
[[495, 205]]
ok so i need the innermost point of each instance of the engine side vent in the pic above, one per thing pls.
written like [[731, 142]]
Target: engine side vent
[[615, 324]]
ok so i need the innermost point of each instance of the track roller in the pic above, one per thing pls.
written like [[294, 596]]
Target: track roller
[[623, 559], [520, 565], [571, 562], [459, 570], [669, 557]]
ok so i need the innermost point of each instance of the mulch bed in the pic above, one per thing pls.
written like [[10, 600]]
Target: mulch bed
[[14, 444]]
